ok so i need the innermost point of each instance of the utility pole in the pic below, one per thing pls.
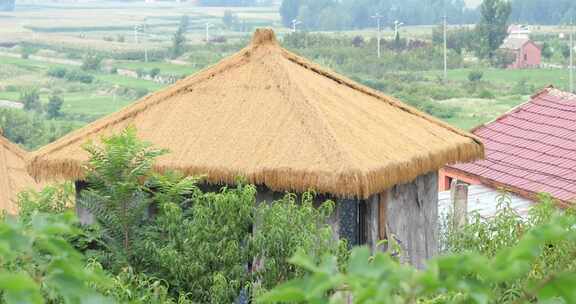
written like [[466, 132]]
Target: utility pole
[[136, 33], [571, 68], [378, 18], [208, 25], [445, 48], [397, 25], [294, 24]]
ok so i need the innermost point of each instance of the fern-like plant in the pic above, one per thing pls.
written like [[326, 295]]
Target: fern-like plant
[[117, 194]]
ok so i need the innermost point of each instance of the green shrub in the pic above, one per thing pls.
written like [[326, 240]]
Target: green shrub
[[31, 100], [11, 88], [486, 94], [154, 72], [199, 244], [57, 72], [141, 92], [91, 63], [475, 76], [38, 263], [502, 260], [76, 75], [54, 107]]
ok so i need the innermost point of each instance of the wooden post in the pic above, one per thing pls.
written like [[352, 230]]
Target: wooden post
[[460, 205], [372, 219]]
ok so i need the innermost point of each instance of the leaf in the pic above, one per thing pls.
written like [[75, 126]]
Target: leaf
[[293, 291], [560, 286], [19, 288]]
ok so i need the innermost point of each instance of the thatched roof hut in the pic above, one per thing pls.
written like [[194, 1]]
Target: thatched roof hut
[[279, 120], [13, 175], [287, 124]]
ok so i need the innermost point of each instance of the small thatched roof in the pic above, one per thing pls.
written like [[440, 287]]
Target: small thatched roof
[[13, 175], [279, 120]]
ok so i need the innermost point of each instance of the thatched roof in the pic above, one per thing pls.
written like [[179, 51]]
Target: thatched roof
[[279, 120], [13, 175]]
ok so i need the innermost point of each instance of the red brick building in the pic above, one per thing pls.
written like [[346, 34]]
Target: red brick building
[[527, 54], [529, 150]]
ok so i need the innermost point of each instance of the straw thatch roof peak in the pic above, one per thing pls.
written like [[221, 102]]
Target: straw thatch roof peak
[[264, 37], [13, 175], [278, 120]]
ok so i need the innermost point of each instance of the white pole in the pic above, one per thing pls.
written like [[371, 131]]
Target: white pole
[[378, 18], [379, 38], [136, 34], [445, 48], [571, 68], [208, 32]]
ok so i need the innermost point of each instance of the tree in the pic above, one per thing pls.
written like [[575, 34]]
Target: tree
[[475, 76], [54, 107], [31, 100], [91, 63], [289, 11], [547, 51], [230, 19], [178, 42], [565, 50], [184, 23], [503, 58], [493, 26], [118, 196]]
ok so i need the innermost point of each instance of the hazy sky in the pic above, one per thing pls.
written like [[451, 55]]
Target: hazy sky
[[473, 3]]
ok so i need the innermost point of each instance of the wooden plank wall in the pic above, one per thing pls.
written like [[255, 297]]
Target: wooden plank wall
[[412, 218]]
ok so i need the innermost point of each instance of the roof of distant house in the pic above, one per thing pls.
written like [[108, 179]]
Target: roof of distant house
[[514, 43], [13, 175], [278, 120], [531, 149]]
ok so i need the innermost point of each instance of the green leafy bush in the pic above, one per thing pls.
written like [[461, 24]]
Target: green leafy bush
[[91, 62], [200, 244], [475, 76], [518, 266], [31, 100], [57, 72], [38, 263]]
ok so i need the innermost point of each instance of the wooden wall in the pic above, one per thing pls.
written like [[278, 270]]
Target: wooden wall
[[412, 218]]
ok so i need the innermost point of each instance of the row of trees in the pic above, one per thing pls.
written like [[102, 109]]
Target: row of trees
[[348, 14], [543, 11]]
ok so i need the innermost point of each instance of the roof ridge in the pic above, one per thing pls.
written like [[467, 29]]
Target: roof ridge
[[12, 147], [373, 93]]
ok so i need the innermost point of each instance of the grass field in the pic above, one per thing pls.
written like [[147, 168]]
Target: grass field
[[477, 111], [94, 100], [163, 66], [539, 78]]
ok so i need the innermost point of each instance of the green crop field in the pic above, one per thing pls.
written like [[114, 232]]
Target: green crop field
[[540, 78], [164, 67]]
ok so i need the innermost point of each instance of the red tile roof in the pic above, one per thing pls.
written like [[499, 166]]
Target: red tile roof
[[532, 148]]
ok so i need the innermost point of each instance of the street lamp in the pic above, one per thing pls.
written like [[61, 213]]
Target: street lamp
[[294, 24]]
